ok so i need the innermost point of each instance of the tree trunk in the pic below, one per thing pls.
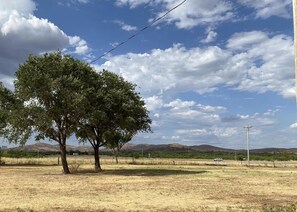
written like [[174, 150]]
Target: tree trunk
[[63, 158], [116, 156], [97, 159]]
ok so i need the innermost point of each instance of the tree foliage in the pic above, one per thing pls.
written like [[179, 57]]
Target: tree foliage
[[52, 90], [117, 139], [113, 106], [14, 126]]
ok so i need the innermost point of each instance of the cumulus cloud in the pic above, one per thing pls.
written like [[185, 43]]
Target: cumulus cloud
[[192, 13], [153, 103], [293, 126], [80, 45], [244, 40], [192, 122], [124, 26], [175, 69], [269, 62], [252, 61], [268, 8], [211, 37], [22, 33], [179, 104]]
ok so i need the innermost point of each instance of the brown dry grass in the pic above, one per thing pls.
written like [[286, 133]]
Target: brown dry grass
[[127, 187]]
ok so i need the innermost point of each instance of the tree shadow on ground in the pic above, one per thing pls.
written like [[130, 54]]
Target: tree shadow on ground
[[141, 172]]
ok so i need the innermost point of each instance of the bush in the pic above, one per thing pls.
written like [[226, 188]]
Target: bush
[[136, 155]]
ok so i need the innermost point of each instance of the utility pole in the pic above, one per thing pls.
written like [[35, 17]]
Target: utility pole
[[295, 41], [248, 127]]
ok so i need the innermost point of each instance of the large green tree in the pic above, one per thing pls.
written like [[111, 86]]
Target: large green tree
[[112, 105], [52, 89]]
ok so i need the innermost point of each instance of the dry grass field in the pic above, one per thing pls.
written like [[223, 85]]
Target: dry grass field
[[161, 187]]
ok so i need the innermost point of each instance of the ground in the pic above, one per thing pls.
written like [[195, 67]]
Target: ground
[[130, 187]]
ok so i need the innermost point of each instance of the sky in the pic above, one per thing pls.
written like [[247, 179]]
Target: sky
[[205, 70]]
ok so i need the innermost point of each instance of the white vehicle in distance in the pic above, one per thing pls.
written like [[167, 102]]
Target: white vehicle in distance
[[218, 159]]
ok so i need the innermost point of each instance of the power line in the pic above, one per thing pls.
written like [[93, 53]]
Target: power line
[[138, 32]]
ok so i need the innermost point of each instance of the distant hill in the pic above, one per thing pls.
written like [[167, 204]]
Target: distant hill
[[43, 147], [173, 148]]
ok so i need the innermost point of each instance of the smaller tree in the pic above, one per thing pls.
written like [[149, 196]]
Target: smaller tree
[[112, 106], [116, 140]]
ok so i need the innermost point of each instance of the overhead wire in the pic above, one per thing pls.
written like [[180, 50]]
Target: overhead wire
[[139, 31]]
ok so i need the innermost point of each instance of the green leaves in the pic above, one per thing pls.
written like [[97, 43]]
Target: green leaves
[[52, 88], [112, 106], [14, 125]]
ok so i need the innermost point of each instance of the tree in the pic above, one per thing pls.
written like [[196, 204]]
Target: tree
[[117, 139], [112, 105], [52, 90]]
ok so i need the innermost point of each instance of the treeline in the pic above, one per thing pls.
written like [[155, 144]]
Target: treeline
[[31, 154], [240, 156]]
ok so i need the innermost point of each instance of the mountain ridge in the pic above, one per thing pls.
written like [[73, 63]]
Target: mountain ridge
[[174, 147]]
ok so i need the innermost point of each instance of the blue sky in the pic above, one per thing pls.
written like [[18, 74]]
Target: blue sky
[[205, 71]]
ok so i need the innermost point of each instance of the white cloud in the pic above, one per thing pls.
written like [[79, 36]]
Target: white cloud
[[192, 112], [252, 61], [179, 104], [192, 13], [269, 63], [244, 40], [124, 26], [211, 37], [22, 33], [153, 103], [196, 132], [224, 132], [70, 3], [131, 3], [210, 109], [24, 7], [267, 8], [293, 126], [80, 45], [83, 1], [193, 123], [219, 132], [175, 69], [271, 112]]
